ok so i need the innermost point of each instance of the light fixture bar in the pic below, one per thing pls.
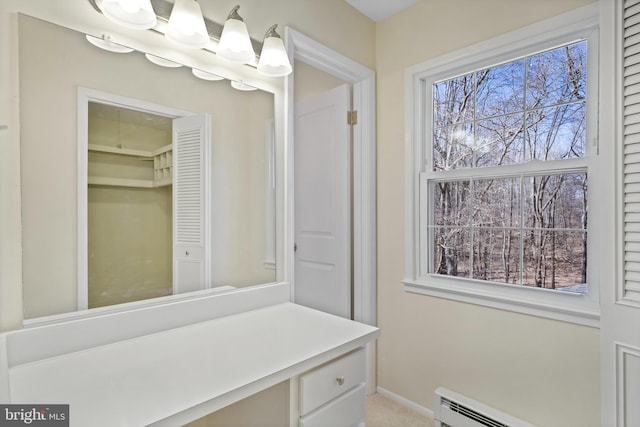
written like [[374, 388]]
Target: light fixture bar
[[163, 8]]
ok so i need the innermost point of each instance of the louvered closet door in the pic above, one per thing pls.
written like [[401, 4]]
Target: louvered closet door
[[189, 204], [620, 303], [632, 149]]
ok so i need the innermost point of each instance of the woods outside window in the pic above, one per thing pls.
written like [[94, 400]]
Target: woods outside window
[[497, 223], [503, 171]]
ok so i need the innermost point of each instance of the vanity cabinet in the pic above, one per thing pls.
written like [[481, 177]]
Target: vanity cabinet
[[172, 364], [334, 394]]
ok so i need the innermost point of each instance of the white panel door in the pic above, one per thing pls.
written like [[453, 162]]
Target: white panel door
[[190, 233], [323, 202]]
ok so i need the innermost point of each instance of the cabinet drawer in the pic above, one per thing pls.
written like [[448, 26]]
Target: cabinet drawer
[[331, 380], [348, 410]]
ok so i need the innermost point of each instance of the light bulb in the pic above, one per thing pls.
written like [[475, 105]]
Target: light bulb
[[186, 25], [235, 44], [274, 60], [136, 14], [132, 6]]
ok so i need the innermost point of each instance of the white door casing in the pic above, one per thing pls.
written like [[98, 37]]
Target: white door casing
[[322, 202], [303, 48], [190, 226], [362, 79]]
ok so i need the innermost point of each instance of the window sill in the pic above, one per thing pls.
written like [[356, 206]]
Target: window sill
[[565, 307]]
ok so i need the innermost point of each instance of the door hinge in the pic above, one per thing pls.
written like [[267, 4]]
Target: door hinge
[[352, 118]]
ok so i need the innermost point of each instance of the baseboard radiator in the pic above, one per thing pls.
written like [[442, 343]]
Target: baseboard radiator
[[455, 410]]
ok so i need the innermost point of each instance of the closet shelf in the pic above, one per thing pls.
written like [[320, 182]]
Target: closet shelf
[[121, 182], [161, 169], [129, 151]]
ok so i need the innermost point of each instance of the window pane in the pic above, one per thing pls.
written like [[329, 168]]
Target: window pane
[[556, 133], [556, 201], [555, 259], [513, 229], [451, 203], [451, 251], [453, 147], [500, 90], [453, 101], [557, 76], [496, 202], [499, 141], [496, 255], [532, 108]]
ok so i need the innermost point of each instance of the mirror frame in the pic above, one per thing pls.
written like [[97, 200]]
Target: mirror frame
[[81, 16]]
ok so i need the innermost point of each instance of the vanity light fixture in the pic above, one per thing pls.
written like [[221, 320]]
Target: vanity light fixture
[[274, 60], [235, 44], [205, 75], [162, 62], [240, 85], [136, 14], [186, 25], [106, 43]]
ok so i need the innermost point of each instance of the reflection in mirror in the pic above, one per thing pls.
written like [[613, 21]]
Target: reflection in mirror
[[55, 64], [129, 206]]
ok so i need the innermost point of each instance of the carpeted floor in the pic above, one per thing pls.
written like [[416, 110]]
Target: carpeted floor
[[383, 412]]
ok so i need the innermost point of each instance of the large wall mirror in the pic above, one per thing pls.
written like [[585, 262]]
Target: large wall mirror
[[121, 176]]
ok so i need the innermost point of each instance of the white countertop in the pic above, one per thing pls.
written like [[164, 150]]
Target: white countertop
[[179, 375]]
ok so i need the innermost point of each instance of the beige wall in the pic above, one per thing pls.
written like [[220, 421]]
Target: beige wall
[[130, 244], [264, 409], [311, 81], [544, 371]]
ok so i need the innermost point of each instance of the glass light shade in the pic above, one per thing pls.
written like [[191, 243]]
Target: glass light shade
[[235, 44], [186, 25], [205, 75], [273, 58], [107, 44], [136, 14], [242, 86], [162, 62]]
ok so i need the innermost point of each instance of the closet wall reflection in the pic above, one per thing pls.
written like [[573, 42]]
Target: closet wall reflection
[[54, 63], [129, 205]]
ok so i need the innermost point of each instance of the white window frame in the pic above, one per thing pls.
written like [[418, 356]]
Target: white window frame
[[563, 29]]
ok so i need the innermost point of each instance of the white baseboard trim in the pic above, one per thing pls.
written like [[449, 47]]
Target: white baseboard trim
[[405, 402]]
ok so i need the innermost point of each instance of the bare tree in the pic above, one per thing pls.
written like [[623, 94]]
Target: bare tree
[[531, 109]]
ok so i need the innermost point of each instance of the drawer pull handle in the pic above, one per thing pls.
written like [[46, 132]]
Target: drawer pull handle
[[340, 380]]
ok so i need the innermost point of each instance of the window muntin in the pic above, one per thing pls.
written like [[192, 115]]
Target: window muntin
[[524, 229], [527, 230], [511, 113]]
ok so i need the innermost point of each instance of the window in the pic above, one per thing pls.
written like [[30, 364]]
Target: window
[[502, 170], [497, 223]]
